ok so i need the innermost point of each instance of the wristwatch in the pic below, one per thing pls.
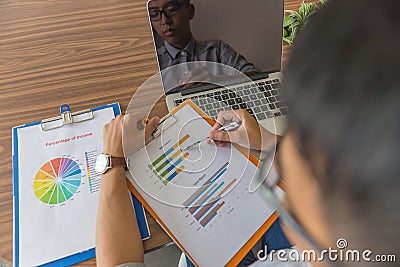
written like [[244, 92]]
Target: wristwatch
[[105, 162]]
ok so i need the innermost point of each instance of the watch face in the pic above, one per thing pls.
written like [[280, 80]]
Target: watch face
[[101, 163]]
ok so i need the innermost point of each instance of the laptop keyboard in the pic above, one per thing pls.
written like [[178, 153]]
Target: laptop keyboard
[[262, 100]]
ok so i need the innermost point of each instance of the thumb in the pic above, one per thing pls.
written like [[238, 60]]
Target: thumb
[[151, 126], [219, 136]]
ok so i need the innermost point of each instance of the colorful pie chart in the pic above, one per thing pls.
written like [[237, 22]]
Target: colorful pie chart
[[57, 180]]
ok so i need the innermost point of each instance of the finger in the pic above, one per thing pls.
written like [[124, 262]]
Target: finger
[[151, 126], [219, 136]]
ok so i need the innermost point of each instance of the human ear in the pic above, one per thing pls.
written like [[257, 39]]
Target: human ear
[[191, 11]]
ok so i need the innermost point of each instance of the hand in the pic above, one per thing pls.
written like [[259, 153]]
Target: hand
[[112, 134], [196, 76], [250, 134]]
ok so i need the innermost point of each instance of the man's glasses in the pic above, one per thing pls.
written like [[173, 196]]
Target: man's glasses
[[169, 10]]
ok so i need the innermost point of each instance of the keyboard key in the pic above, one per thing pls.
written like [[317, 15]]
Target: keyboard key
[[260, 95], [184, 99], [246, 86], [218, 97], [276, 114], [238, 100], [209, 94], [246, 91], [269, 114], [209, 106], [253, 90], [276, 85], [253, 97], [243, 106], [203, 101], [267, 94], [240, 93], [235, 107], [232, 95], [246, 98], [213, 113], [257, 110], [231, 102], [253, 85], [249, 110], [260, 116], [274, 92], [276, 80], [271, 99], [261, 83], [268, 82], [272, 106], [250, 104], [264, 101], [262, 89], [225, 91], [225, 96], [216, 105], [264, 108], [217, 93], [268, 87], [257, 102]]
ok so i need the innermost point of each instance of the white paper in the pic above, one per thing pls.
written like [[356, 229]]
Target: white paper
[[210, 242], [64, 224]]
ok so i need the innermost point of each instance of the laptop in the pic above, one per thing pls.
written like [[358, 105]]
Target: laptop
[[252, 28]]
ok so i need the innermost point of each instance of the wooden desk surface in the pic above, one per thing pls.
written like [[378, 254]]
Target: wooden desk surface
[[84, 53]]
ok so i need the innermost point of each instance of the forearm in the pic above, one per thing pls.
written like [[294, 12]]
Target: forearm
[[117, 234]]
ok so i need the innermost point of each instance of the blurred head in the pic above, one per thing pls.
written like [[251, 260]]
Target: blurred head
[[171, 20], [340, 158]]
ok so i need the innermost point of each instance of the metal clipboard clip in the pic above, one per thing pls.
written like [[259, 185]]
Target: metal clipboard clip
[[66, 117]]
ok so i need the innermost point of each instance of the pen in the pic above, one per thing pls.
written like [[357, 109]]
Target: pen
[[227, 127]]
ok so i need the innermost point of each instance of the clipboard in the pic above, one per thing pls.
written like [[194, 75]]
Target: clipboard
[[165, 123], [75, 182]]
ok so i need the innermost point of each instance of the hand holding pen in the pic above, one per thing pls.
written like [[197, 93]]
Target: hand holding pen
[[227, 127], [249, 134]]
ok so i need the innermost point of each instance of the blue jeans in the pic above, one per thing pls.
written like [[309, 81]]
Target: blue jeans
[[274, 238]]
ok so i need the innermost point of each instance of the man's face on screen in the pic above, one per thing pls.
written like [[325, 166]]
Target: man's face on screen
[[170, 19]]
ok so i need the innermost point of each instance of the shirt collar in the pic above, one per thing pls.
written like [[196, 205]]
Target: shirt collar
[[189, 48]]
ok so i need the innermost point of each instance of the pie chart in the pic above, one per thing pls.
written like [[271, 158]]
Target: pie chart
[[57, 180]]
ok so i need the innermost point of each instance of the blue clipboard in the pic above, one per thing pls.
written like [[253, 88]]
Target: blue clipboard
[[66, 117]]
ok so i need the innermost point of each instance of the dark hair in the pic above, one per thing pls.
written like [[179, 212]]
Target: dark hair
[[343, 90]]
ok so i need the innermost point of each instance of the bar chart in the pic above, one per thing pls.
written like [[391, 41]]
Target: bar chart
[[205, 202], [166, 165]]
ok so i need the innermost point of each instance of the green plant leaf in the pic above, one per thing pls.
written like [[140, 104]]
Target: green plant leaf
[[287, 21]]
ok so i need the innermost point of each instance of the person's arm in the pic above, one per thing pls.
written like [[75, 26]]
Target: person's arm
[[118, 238]]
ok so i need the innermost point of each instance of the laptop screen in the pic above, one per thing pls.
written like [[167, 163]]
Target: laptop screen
[[245, 35]]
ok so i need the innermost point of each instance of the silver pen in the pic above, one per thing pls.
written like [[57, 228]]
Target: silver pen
[[227, 127]]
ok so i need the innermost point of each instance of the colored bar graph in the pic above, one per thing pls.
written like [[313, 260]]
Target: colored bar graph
[[204, 186], [211, 215], [172, 176], [169, 151], [196, 207], [173, 165], [168, 161], [207, 207], [181, 141], [163, 156]]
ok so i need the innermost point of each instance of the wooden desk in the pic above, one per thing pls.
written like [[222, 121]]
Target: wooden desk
[[84, 53]]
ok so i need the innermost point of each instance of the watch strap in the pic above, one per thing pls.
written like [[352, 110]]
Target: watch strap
[[117, 162]]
